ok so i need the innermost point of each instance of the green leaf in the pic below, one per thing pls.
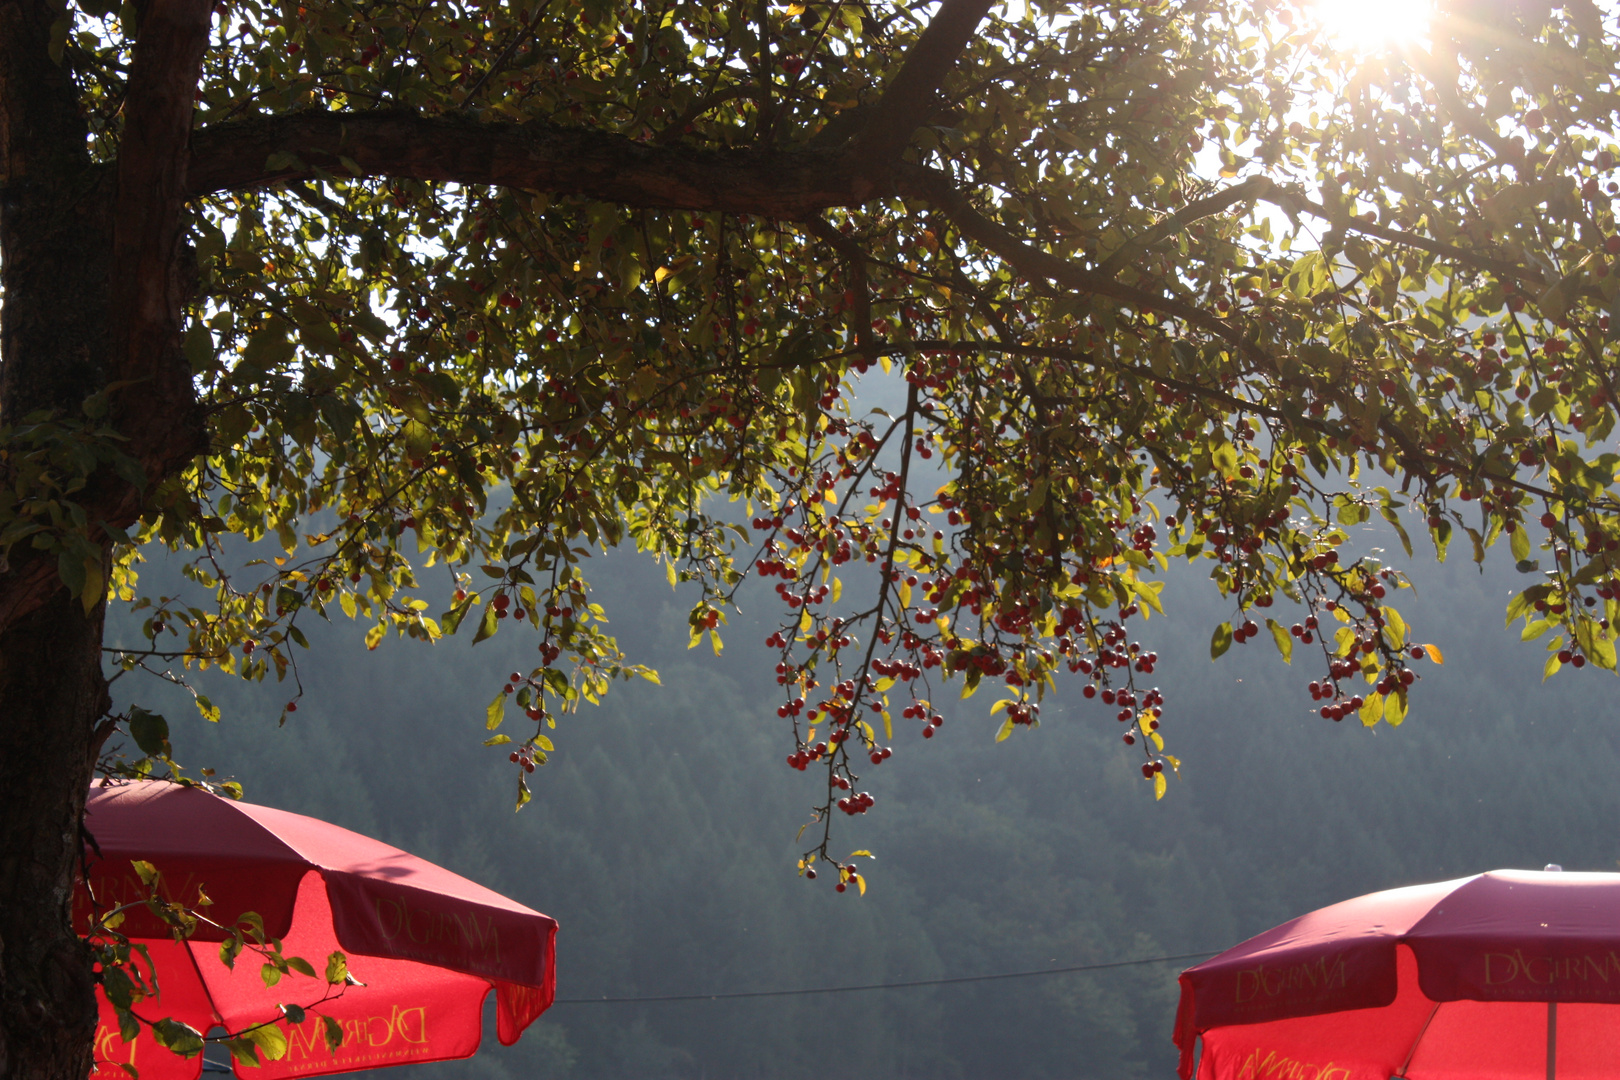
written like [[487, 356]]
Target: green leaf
[[293, 1013], [178, 1037], [90, 596], [1519, 543], [1395, 707], [337, 969], [1400, 530], [1441, 535], [334, 1033], [1221, 641], [1284, 640], [207, 708], [496, 712], [150, 732], [300, 965], [488, 625], [269, 1041], [1394, 627]]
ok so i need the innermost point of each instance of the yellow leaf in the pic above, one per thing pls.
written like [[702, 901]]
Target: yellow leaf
[[1160, 784], [860, 883], [1435, 654], [1372, 709], [1006, 730]]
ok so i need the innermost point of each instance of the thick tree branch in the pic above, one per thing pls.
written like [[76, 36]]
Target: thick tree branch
[[534, 157], [148, 286], [904, 105]]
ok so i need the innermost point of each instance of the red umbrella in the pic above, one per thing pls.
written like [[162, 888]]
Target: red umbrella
[[1508, 975], [428, 945]]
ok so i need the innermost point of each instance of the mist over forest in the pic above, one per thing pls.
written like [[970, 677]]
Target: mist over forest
[[662, 833]]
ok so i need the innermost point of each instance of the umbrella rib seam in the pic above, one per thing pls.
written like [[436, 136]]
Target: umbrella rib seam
[[1422, 1031]]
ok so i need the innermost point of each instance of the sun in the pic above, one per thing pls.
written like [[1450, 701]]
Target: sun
[[1374, 25]]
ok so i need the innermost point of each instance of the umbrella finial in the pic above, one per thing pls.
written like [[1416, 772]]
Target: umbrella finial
[[1552, 866]]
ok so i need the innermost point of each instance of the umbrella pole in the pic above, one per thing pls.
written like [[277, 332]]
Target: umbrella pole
[[1552, 1040]]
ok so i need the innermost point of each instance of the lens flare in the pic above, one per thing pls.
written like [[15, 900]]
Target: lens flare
[[1372, 25]]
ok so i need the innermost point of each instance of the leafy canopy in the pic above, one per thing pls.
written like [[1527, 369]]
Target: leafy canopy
[[483, 289]]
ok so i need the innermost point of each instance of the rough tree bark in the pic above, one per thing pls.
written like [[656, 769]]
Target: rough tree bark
[[85, 303], [57, 255]]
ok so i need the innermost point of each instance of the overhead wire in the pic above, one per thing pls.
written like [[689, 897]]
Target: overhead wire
[[733, 995]]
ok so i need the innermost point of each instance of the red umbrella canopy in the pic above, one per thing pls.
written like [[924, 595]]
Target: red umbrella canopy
[[1511, 974], [429, 945]]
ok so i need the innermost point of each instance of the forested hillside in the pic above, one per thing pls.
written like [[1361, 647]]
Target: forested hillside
[[662, 833]]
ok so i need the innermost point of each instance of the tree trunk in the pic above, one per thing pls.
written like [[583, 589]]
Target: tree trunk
[[56, 242], [51, 695]]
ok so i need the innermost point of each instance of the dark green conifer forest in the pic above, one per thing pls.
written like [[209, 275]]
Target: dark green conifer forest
[[662, 834]]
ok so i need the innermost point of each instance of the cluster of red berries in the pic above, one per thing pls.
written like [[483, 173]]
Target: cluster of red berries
[[1403, 677], [803, 758], [1341, 709], [849, 877], [523, 757], [919, 711], [503, 607], [1023, 712], [856, 804], [794, 600], [1152, 768]]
